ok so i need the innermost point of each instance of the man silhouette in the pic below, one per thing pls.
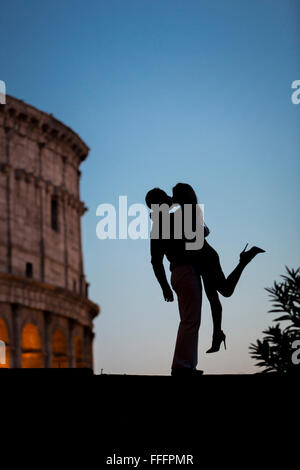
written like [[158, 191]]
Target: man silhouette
[[185, 281]]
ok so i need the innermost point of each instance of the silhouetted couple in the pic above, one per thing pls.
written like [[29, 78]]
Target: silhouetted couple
[[187, 267]]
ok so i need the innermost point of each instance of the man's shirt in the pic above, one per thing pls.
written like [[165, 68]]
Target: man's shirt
[[174, 250]]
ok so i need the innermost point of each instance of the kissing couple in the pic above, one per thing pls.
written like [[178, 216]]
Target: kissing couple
[[189, 268]]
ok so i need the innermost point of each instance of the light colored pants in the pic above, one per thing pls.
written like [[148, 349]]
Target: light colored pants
[[187, 285]]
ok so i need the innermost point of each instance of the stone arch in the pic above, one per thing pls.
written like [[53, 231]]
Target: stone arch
[[78, 351], [59, 350], [4, 337], [32, 348], [31, 317]]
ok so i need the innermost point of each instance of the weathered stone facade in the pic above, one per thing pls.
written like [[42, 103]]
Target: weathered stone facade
[[46, 318]]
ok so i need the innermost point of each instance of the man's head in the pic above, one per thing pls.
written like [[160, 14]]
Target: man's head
[[157, 196]]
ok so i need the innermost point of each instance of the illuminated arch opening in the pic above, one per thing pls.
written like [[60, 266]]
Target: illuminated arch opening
[[78, 352], [5, 338], [32, 349], [59, 350]]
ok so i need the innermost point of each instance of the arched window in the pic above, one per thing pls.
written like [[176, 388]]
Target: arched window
[[5, 338], [29, 270], [32, 349], [78, 352], [59, 350]]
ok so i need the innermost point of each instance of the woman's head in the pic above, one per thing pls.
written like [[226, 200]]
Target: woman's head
[[184, 194]]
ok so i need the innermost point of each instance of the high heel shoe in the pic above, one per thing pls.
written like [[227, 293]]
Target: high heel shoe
[[247, 256], [218, 339]]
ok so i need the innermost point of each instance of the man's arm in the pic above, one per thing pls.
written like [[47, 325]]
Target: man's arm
[[157, 256]]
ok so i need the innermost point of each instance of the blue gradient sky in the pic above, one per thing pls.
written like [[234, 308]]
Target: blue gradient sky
[[166, 91]]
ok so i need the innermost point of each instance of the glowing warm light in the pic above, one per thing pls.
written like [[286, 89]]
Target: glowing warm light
[[4, 337], [32, 351], [59, 350]]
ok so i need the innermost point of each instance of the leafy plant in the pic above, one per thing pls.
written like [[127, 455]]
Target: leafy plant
[[275, 351]]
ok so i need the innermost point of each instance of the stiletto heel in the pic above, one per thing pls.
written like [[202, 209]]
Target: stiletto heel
[[247, 256], [245, 248], [218, 339]]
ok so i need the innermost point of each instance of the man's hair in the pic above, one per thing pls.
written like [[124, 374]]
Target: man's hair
[[185, 193], [156, 196]]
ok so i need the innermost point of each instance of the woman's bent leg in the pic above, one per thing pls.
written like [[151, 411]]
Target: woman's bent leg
[[187, 284], [229, 286], [212, 267]]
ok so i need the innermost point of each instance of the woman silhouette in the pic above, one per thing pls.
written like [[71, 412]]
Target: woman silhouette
[[207, 263]]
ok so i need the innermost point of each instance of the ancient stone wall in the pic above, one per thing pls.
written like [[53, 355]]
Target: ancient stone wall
[[42, 281]]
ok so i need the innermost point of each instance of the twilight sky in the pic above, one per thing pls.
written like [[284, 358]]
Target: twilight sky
[[164, 91]]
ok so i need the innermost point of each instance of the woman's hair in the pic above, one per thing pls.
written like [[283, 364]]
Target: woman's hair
[[184, 193]]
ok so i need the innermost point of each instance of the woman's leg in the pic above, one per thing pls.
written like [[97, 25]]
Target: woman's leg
[[225, 286], [187, 284], [215, 304]]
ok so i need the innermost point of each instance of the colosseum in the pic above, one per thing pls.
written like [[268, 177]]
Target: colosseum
[[46, 317]]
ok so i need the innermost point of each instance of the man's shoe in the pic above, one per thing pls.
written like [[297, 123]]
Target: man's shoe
[[197, 372], [185, 372]]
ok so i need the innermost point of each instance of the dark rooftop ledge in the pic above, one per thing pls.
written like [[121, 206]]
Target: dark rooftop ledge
[[51, 373], [86, 372], [201, 377]]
